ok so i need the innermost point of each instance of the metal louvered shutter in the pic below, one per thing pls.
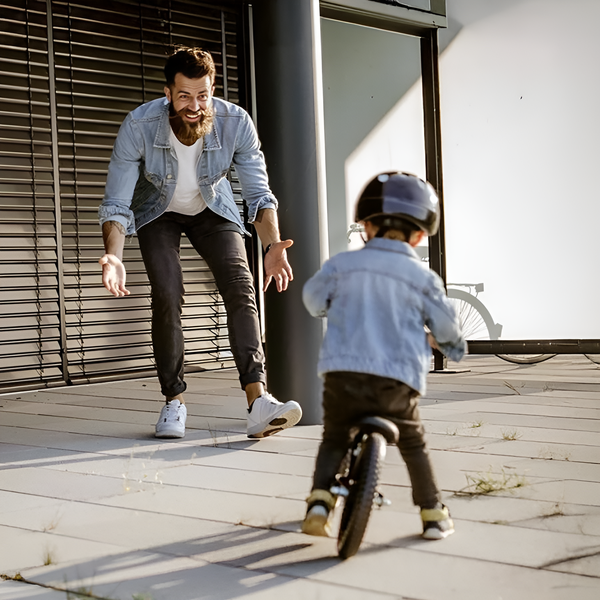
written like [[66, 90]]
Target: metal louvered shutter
[[64, 97]]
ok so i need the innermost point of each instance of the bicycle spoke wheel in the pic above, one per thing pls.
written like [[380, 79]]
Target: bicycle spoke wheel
[[525, 359], [475, 319], [359, 502]]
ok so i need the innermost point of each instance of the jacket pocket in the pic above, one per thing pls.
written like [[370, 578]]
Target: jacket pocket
[[213, 180]]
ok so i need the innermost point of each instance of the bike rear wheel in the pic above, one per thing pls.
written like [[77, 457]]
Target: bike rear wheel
[[359, 502]]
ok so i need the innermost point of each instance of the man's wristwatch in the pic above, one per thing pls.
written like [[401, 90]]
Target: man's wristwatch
[[267, 249]]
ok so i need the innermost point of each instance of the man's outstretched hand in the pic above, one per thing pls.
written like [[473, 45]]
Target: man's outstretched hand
[[113, 275], [277, 267]]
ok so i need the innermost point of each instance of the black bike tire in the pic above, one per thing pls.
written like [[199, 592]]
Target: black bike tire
[[359, 502], [525, 359]]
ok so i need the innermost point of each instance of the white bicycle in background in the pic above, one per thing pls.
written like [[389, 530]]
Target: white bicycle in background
[[476, 320]]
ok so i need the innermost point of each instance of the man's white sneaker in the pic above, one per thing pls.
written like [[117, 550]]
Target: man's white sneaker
[[171, 423], [268, 416]]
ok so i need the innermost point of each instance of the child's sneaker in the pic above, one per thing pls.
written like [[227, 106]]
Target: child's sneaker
[[267, 416], [320, 505], [171, 423], [437, 523]]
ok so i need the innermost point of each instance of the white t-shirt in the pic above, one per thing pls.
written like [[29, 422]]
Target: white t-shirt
[[187, 199]]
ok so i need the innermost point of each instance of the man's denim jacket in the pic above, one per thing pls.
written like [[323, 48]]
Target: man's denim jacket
[[142, 173], [377, 301]]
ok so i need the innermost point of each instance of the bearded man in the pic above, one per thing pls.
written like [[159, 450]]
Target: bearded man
[[167, 176]]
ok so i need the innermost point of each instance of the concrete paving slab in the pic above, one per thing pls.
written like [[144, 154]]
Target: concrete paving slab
[[508, 419], [451, 441], [82, 425], [225, 507], [237, 480], [572, 492], [22, 549], [504, 510], [41, 438], [81, 474], [554, 469], [566, 518], [15, 590], [588, 565], [259, 461], [503, 544], [513, 433], [64, 485], [549, 451], [516, 408], [127, 528], [22, 455], [143, 575], [409, 574], [14, 502], [442, 396]]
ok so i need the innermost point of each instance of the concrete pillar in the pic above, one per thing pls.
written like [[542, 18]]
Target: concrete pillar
[[290, 125]]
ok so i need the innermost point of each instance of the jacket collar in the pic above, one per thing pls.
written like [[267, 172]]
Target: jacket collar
[[163, 133], [392, 246]]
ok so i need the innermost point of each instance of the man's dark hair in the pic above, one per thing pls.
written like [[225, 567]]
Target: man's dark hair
[[192, 63]]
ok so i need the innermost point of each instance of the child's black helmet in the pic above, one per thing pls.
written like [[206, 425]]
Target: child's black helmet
[[402, 195]]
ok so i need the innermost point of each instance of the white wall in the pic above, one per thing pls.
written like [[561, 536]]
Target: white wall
[[520, 127], [520, 130], [365, 73]]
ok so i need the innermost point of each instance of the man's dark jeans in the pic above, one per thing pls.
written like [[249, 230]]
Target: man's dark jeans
[[220, 243], [348, 397]]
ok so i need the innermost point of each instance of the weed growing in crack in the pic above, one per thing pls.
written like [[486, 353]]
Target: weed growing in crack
[[511, 434], [130, 478], [53, 524], [49, 558], [214, 434], [547, 454], [83, 592], [558, 510], [486, 483], [513, 388]]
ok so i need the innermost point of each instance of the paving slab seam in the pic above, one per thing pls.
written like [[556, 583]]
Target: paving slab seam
[[557, 562]]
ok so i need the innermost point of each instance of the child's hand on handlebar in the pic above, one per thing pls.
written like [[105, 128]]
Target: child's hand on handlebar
[[432, 341]]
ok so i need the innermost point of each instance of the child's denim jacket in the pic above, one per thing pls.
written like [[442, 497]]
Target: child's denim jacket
[[142, 174], [377, 301]]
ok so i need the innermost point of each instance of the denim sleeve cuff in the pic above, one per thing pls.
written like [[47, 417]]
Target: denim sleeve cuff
[[122, 219], [264, 202], [454, 352]]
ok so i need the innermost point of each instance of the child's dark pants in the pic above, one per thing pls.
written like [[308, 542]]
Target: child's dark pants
[[349, 396]]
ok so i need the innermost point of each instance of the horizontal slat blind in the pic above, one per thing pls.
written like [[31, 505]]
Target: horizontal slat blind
[[108, 58], [29, 300]]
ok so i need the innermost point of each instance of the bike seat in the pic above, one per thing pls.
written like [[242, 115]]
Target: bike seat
[[380, 425]]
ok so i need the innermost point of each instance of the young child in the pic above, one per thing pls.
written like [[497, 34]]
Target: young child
[[376, 353]]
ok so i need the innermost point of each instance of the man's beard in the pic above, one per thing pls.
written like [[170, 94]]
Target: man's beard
[[190, 133]]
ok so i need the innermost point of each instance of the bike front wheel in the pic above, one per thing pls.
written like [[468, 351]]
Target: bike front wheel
[[359, 502]]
